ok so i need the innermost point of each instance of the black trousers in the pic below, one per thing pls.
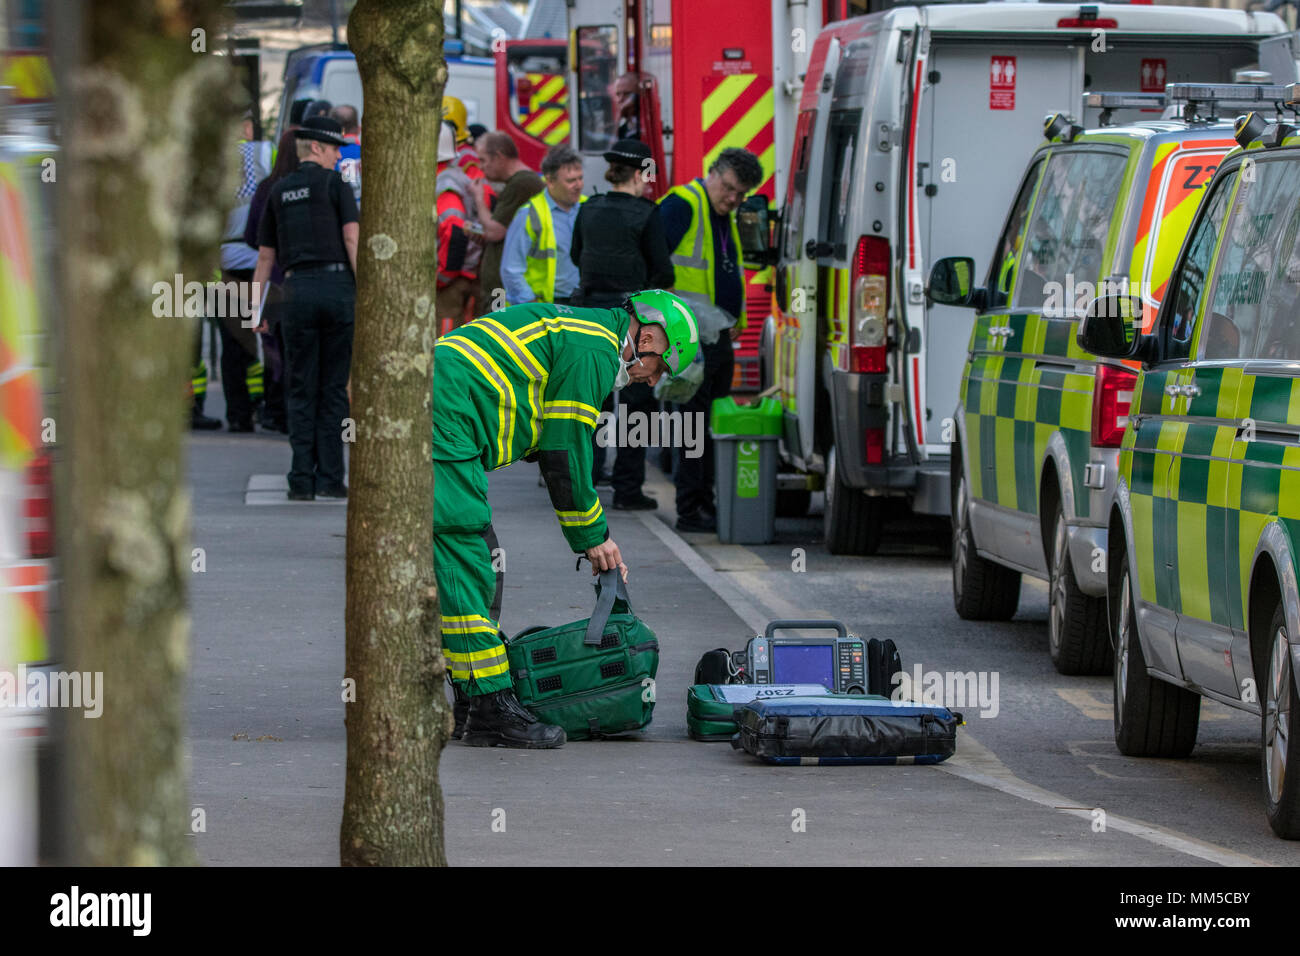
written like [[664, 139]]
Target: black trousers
[[695, 476], [236, 357], [317, 327], [629, 463]]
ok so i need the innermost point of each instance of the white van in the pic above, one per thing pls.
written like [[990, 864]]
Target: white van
[[913, 128]]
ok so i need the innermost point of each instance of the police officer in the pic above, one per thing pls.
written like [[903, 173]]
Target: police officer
[[310, 227], [619, 248]]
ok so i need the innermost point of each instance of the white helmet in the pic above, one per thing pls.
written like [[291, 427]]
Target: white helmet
[[446, 143]]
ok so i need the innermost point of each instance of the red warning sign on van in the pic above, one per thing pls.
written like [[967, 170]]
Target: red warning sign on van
[[1002, 83]]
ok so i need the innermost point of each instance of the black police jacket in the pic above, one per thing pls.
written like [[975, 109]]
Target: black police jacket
[[619, 247]]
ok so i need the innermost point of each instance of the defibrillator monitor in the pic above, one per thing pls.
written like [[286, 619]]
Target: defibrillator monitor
[[837, 661]]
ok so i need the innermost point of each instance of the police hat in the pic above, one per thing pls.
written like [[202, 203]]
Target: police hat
[[628, 152], [321, 128]]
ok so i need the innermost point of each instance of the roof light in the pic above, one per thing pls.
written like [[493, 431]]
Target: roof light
[[1058, 125], [1248, 128], [1108, 102], [1227, 92]]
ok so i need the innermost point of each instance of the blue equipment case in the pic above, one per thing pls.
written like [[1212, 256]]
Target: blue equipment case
[[845, 729]]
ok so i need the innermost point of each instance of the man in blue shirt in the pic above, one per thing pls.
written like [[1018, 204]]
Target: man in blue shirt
[[535, 264]]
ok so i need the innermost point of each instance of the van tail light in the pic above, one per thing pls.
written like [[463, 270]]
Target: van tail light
[[1111, 398], [875, 445], [38, 510], [869, 293]]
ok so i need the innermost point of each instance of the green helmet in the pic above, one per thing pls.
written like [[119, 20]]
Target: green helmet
[[657, 307]]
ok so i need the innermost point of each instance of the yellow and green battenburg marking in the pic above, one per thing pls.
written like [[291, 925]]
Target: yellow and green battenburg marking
[[1012, 404]]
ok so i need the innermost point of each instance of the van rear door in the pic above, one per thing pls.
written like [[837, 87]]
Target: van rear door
[[981, 115]]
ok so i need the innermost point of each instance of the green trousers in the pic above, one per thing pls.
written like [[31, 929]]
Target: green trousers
[[465, 557]]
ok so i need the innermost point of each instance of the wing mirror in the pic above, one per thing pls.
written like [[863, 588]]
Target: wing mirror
[[952, 282], [754, 223], [1110, 329]]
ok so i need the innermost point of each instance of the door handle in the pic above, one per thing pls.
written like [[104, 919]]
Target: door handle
[[1173, 391], [1191, 390], [818, 250]]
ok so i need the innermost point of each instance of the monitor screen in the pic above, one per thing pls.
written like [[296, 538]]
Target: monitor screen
[[803, 664]]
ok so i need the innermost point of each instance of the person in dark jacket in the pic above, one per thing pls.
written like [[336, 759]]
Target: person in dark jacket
[[274, 414], [619, 248]]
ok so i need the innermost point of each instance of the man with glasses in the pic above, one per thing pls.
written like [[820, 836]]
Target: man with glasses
[[700, 226]]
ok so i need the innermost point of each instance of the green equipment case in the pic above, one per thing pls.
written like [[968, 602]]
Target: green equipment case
[[594, 677]]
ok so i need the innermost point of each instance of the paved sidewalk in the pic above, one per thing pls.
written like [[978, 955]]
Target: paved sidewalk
[[267, 735]]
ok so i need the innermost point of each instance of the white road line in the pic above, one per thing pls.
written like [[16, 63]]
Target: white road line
[[753, 617], [974, 762], [978, 764], [1087, 704]]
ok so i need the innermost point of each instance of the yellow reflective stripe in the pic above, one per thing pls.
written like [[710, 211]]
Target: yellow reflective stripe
[[469, 624], [535, 330], [461, 657], [577, 519], [527, 364], [578, 411], [506, 407]]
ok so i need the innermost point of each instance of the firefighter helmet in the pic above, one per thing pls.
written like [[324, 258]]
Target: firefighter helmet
[[453, 110]]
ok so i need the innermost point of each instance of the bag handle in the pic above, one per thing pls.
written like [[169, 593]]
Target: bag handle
[[774, 626], [611, 587]]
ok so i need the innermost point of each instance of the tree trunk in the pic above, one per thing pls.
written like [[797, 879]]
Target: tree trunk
[[399, 720], [141, 195]]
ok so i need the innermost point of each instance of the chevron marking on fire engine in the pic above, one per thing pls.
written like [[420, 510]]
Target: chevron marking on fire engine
[[548, 113], [738, 111]]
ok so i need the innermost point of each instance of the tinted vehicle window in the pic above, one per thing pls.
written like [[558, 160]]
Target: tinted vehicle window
[[1190, 285], [842, 144], [1002, 273], [1257, 279], [1066, 236]]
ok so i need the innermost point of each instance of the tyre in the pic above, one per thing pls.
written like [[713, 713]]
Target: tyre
[[1077, 629], [1280, 734], [792, 504], [1152, 718], [852, 521], [981, 590]]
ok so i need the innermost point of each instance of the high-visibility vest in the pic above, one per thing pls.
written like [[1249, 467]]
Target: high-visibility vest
[[693, 258], [539, 273]]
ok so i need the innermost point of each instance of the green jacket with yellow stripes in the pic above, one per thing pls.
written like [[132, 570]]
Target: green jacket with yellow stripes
[[528, 382]]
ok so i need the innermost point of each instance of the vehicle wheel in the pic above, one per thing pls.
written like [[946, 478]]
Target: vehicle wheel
[[793, 504], [1279, 731], [852, 521], [981, 590], [1152, 718], [1077, 636]]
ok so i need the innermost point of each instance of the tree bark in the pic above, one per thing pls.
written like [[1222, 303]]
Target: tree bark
[[141, 199], [399, 720]]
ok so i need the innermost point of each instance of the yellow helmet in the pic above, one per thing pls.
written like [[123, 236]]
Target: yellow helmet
[[454, 110]]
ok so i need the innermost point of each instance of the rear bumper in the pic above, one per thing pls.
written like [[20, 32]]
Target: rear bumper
[[858, 403]]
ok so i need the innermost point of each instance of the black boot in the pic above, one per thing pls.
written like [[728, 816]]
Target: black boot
[[499, 720], [459, 710]]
